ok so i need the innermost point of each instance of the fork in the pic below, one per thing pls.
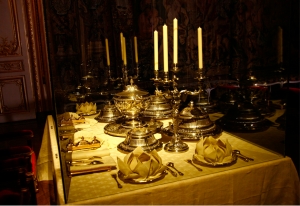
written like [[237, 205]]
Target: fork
[[191, 162], [114, 175]]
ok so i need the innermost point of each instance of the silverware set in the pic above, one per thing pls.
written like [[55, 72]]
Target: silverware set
[[171, 165], [243, 157]]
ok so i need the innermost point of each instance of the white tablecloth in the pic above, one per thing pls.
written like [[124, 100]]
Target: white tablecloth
[[269, 179]]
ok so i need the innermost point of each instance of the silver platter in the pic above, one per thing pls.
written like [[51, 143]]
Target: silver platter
[[156, 114], [216, 164], [87, 113], [123, 147], [106, 119], [117, 129], [144, 181], [192, 133]]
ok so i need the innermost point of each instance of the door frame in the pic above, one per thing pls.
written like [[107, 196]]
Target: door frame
[[38, 51]]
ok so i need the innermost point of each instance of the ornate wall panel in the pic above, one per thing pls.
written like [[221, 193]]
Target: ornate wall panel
[[9, 37], [23, 61], [11, 66], [13, 95]]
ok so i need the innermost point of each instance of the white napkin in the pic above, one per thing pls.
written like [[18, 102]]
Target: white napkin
[[213, 150], [86, 154], [141, 165]]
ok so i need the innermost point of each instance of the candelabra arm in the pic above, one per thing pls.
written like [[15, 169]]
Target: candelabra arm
[[125, 75]]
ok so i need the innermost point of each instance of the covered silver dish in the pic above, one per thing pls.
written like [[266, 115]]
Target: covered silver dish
[[109, 113], [131, 102], [159, 107], [142, 137], [244, 116], [193, 123]]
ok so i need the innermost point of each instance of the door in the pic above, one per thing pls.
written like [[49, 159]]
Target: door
[[21, 89]]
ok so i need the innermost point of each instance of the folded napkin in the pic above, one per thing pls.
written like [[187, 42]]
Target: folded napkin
[[105, 161], [213, 150], [87, 154], [140, 165], [87, 122]]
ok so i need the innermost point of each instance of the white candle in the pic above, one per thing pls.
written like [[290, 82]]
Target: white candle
[[200, 55], [165, 47], [121, 42], [107, 52], [280, 46], [155, 50], [124, 51], [136, 50], [175, 38]]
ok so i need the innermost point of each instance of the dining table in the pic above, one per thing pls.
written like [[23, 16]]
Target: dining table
[[271, 178]]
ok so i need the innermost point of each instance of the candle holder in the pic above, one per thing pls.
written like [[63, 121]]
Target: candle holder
[[156, 80], [166, 85], [109, 77], [202, 96], [125, 75], [137, 69], [175, 68], [176, 144], [192, 123]]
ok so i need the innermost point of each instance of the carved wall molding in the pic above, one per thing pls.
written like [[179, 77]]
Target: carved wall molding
[[34, 69], [17, 85], [11, 66], [11, 47], [38, 58]]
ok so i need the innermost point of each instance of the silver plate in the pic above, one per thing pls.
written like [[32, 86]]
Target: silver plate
[[216, 164], [87, 113], [148, 180]]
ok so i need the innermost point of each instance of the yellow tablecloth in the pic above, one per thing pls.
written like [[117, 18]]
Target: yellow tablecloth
[[269, 179]]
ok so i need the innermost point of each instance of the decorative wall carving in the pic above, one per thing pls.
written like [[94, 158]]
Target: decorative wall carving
[[10, 43], [13, 103], [11, 66]]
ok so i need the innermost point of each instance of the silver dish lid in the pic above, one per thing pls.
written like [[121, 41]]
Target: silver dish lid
[[142, 137], [109, 113], [131, 93], [192, 118], [192, 112], [159, 107]]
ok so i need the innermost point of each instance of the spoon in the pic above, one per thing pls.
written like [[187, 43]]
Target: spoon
[[172, 172], [191, 162], [171, 164], [242, 156], [115, 177]]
